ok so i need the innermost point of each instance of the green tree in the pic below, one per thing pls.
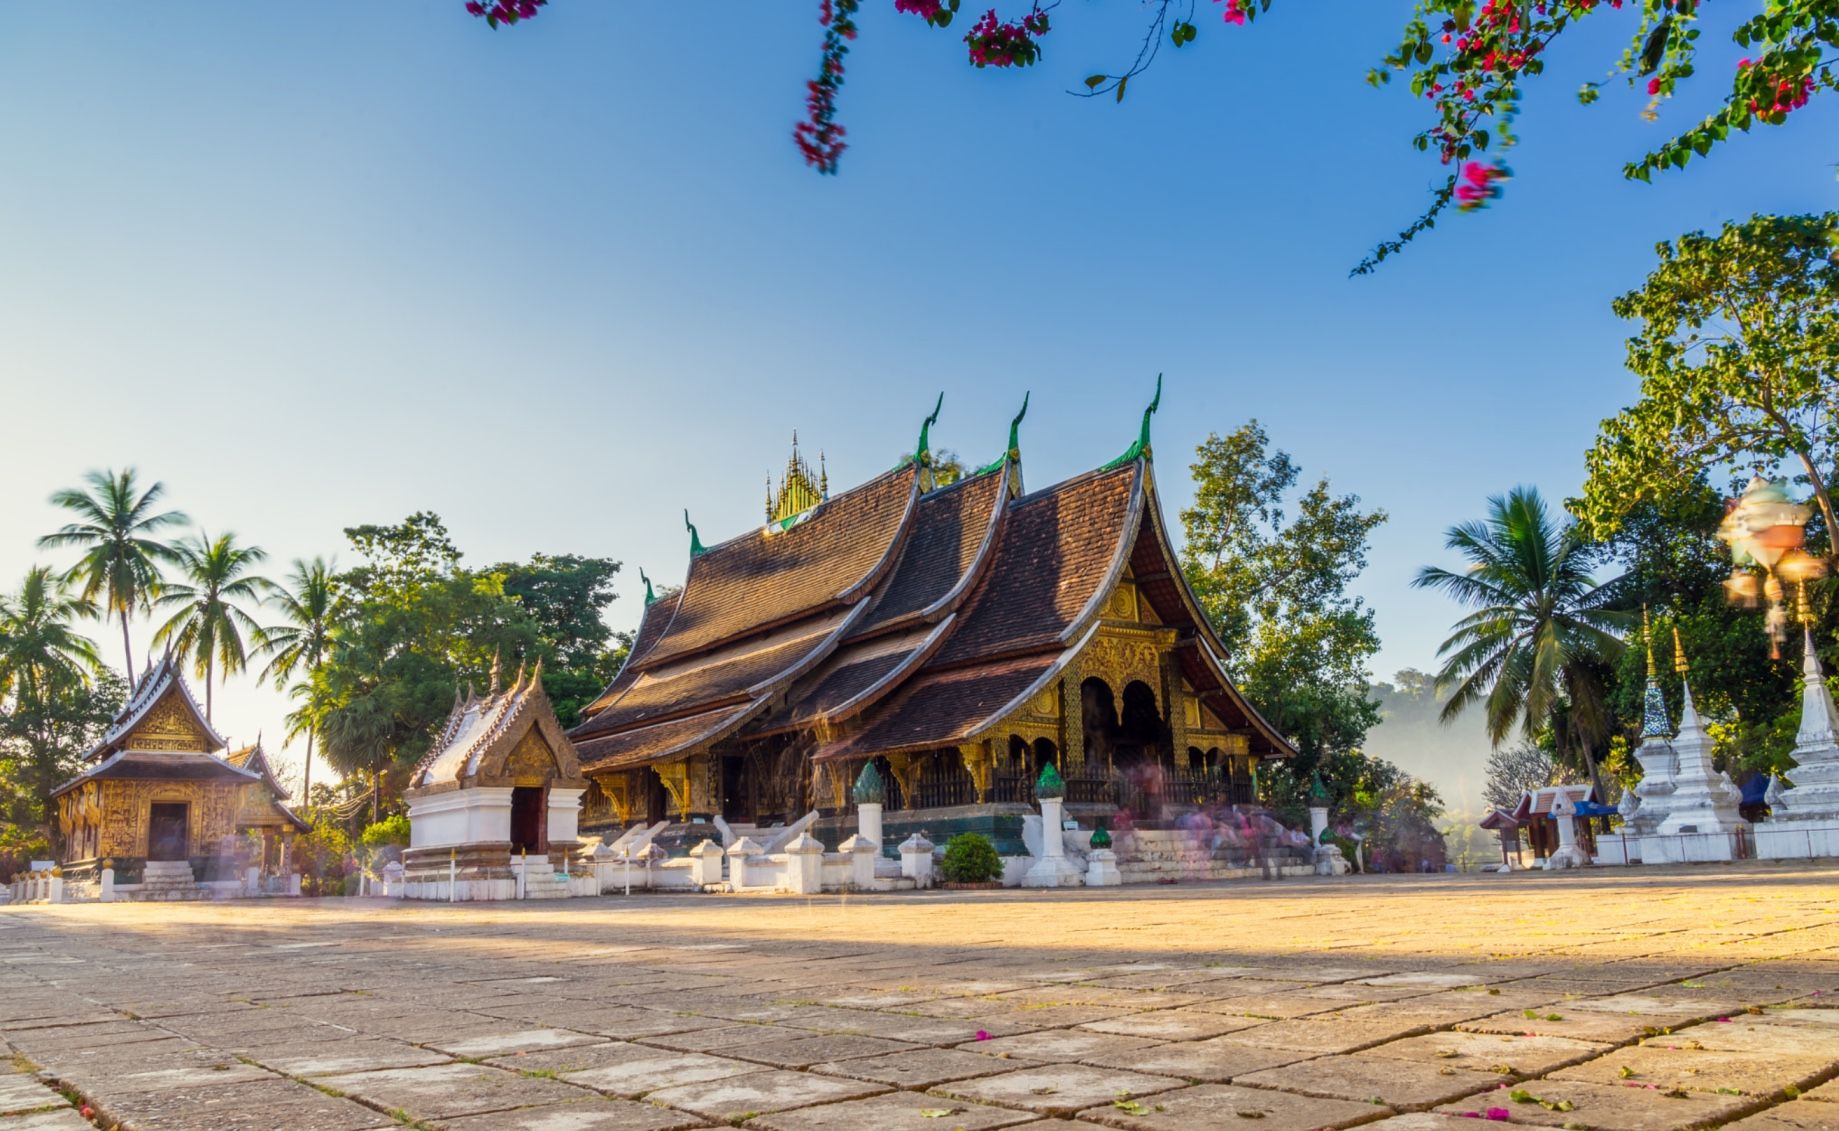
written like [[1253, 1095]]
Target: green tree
[[1536, 649], [116, 528], [55, 695], [309, 611], [1275, 588], [208, 623], [1738, 355], [416, 627], [39, 649], [565, 596]]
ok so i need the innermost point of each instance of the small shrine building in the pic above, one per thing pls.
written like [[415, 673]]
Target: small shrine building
[[500, 789], [159, 790], [959, 636]]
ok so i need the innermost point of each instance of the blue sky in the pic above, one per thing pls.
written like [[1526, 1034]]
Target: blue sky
[[314, 265]]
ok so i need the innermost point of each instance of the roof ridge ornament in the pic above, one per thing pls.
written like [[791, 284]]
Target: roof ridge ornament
[[922, 451], [697, 549], [1140, 449], [650, 597], [1014, 450]]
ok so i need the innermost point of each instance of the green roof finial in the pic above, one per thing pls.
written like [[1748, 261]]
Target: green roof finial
[[649, 595], [1140, 449], [869, 789], [696, 546], [1014, 450], [922, 453], [1051, 784], [1100, 838]]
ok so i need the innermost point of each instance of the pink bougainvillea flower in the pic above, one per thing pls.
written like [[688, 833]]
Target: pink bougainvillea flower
[[1498, 1114], [1234, 13], [983, 1035]]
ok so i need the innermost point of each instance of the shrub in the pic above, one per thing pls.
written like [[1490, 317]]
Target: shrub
[[391, 831], [323, 857], [970, 858], [18, 848]]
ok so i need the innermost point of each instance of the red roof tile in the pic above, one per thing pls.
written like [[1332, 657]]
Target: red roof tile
[[642, 746], [950, 528], [941, 708]]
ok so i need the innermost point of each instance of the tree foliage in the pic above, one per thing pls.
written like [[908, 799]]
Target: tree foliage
[[1515, 770], [214, 581], [117, 526], [1535, 650], [1738, 355], [1275, 585]]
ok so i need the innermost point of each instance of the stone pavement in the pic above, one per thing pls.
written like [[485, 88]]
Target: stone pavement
[[1626, 1000]]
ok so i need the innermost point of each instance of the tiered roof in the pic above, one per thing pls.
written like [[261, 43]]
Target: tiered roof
[[480, 742], [920, 616], [160, 734]]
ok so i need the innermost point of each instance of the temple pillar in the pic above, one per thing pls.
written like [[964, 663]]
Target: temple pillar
[[1072, 719], [980, 764], [1175, 707]]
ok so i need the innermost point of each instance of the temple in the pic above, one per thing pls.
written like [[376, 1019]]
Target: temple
[[959, 637], [493, 805], [161, 803]]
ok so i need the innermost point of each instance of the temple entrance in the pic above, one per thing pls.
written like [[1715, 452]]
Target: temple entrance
[[737, 790], [529, 808], [657, 801], [1140, 730], [1098, 717], [166, 831]]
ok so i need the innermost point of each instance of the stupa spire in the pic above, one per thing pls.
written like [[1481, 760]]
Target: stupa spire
[[1653, 704]]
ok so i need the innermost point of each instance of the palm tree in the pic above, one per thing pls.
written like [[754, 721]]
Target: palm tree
[[208, 624], [116, 527], [309, 609], [38, 648], [1536, 646]]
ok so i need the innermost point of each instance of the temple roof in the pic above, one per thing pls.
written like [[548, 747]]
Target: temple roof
[[922, 617], [161, 683], [255, 760], [160, 766], [482, 735]]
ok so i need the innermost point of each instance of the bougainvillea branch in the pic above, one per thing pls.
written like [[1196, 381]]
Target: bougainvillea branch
[[1468, 59]]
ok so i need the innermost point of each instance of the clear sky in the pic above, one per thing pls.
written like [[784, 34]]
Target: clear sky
[[316, 265]]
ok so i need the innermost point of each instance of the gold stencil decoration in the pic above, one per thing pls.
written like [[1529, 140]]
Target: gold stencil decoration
[[168, 726], [1123, 602], [1118, 660], [531, 761]]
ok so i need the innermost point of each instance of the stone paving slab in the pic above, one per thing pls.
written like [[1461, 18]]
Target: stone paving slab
[[677, 1012], [733, 1099], [1220, 1105], [444, 1090], [1057, 1089], [19, 1093], [587, 1115], [894, 1111], [65, 1119]]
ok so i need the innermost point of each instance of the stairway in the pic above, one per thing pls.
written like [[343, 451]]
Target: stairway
[[1148, 856], [167, 880], [541, 883]]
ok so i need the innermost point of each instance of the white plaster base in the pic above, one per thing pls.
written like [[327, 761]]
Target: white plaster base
[[1796, 840], [1689, 848]]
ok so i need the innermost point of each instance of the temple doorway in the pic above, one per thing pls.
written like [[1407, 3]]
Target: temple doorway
[[529, 805], [1098, 717], [737, 791], [166, 831], [1140, 729]]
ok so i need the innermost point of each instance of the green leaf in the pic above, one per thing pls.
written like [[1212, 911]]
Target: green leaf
[[1120, 87], [1093, 82]]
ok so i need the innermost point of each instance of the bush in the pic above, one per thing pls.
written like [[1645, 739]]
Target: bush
[[970, 858], [323, 858], [18, 848], [391, 831]]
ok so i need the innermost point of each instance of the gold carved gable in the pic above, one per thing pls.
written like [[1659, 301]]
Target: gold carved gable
[[1121, 658], [168, 726], [1123, 602], [531, 758]]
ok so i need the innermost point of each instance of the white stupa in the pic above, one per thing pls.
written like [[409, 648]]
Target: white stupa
[[1654, 792], [1804, 819], [1701, 821]]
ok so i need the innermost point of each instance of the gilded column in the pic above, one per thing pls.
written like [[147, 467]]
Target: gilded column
[[1072, 719]]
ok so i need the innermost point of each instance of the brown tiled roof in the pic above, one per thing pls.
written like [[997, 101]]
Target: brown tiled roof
[[1056, 550], [730, 673], [950, 527], [761, 579], [651, 629], [941, 708], [644, 745]]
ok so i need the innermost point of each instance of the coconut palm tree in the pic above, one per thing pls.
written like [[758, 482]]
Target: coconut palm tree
[[208, 624], [1535, 649], [116, 527], [38, 647], [309, 608]]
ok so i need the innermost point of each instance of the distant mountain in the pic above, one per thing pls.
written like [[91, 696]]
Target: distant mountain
[[1453, 758]]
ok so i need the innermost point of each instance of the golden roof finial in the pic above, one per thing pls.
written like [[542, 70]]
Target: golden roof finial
[[1802, 606], [1647, 636], [1679, 653], [823, 475]]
